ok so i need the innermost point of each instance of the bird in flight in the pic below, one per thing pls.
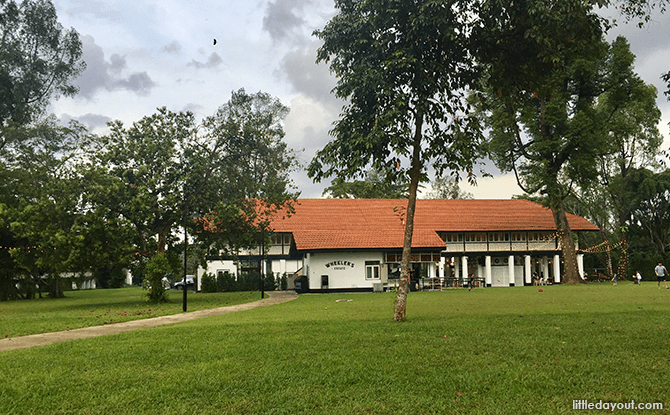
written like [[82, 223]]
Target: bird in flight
[[214, 42]]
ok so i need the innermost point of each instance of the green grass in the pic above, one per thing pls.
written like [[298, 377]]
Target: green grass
[[490, 351], [87, 308]]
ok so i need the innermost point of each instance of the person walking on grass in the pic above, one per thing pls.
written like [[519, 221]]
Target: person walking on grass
[[660, 275], [614, 279], [639, 278]]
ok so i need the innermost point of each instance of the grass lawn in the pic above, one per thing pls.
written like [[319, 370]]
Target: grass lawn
[[490, 351], [87, 308]]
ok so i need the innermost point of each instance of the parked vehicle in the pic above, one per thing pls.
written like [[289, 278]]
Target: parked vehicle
[[190, 283]]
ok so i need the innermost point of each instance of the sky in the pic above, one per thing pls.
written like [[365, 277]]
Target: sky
[[146, 54]]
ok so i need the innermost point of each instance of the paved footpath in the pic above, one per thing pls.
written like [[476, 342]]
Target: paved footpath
[[24, 342]]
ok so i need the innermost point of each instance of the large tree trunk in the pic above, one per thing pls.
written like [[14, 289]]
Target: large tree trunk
[[415, 172], [567, 243]]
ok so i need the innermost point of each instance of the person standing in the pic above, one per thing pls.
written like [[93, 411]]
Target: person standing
[[639, 278], [660, 275], [614, 279]]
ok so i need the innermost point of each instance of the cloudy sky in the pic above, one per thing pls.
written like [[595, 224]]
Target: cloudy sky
[[145, 54]]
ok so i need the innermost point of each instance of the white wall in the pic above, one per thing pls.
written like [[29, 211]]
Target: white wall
[[344, 269], [213, 267]]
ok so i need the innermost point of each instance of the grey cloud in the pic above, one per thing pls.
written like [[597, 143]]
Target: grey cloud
[[138, 82], [118, 63], [283, 20], [91, 121], [213, 61], [103, 75], [192, 107], [173, 47], [308, 78]]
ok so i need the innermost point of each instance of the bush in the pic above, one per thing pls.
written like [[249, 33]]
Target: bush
[[209, 283], [269, 284], [225, 282], [157, 268]]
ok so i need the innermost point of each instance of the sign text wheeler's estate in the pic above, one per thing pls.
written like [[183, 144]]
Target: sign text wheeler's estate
[[339, 265]]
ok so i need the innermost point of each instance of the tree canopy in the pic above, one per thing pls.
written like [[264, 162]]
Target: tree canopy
[[401, 67], [38, 60]]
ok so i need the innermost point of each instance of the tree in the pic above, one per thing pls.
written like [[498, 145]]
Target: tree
[[375, 186], [543, 63], [38, 59], [254, 180], [446, 187], [159, 174], [652, 207], [400, 65], [140, 174], [247, 133], [45, 207], [630, 118]]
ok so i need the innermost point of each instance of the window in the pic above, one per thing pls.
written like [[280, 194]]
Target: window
[[372, 270], [499, 237], [475, 237], [518, 236], [452, 237]]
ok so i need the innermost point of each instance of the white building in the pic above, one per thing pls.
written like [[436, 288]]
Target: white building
[[356, 244]]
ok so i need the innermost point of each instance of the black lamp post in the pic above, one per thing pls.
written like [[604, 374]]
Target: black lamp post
[[184, 287]]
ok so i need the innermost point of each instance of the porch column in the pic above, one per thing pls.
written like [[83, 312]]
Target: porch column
[[557, 268], [488, 270], [441, 269], [464, 268], [432, 270], [527, 268], [545, 268], [282, 267], [510, 266], [580, 265], [457, 266]]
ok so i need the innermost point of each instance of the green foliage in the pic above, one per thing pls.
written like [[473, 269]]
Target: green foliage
[[38, 59], [651, 211], [226, 282], [157, 268], [208, 283], [400, 66], [269, 282]]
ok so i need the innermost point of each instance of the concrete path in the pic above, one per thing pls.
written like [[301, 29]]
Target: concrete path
[[24, 342]]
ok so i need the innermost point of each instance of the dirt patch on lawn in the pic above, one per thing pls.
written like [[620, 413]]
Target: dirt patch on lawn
[[34, 340]]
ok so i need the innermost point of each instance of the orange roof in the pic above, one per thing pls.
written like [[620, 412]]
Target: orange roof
[[379, 223]]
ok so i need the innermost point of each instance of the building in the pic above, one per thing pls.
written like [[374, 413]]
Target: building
[[356, 244]]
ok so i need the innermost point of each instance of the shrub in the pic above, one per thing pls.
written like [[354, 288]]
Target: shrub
[[209, 283], [225, 282], [269, 284]]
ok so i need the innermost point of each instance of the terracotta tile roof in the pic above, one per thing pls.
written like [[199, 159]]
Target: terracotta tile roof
[[378, 223]]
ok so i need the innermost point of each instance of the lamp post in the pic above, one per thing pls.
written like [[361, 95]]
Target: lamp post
[[184, 287]]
